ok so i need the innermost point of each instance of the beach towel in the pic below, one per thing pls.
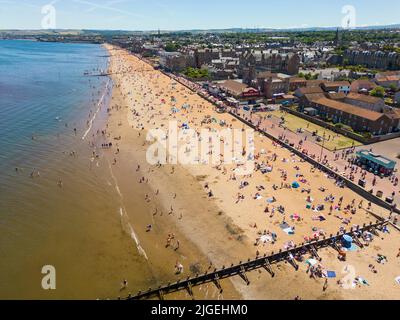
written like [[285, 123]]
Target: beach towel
[[319, 218], [265, 239], [362, 281], [331, 274], [289, 231], [284, 226]]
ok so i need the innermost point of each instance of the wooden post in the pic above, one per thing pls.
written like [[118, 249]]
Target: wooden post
[[267, 266], [242, 274], [217, 284], [292, 262], [315, 253], [190, 290]]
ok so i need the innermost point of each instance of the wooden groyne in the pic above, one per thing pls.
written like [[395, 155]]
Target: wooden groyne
[[264, 262]]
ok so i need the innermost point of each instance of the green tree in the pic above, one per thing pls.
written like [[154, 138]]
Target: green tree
[[378, 92], [195, 73], [393, 87], [171, 47]]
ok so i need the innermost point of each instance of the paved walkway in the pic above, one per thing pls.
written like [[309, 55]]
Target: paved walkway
[[338, 161]]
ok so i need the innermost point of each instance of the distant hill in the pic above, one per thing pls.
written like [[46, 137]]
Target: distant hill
[[199, 31]]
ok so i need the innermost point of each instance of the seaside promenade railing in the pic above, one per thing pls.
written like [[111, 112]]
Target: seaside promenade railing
[[265, 262]]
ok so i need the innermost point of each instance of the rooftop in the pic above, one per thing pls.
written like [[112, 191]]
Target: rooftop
[[365, 98], [331, 84], [350, 109], [233, 86], [376, 158]]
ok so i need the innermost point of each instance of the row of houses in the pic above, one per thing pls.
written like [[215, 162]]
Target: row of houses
[[330, 101], [229, 63], [373, 59], [361, 112], [358, 118]]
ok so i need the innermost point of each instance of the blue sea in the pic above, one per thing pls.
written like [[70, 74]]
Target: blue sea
[[47, 102], [42, 88]]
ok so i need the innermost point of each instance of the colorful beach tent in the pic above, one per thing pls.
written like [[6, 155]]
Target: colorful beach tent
[[347, 241], [312, 262], [295, 185]]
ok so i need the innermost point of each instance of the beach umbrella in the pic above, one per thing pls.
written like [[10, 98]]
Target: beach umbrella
[[295, 185], [347, 241]]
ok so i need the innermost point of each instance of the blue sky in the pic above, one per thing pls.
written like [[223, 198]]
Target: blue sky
[[191, 14]]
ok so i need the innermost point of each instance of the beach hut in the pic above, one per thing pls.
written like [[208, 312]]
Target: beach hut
[[375, 163]]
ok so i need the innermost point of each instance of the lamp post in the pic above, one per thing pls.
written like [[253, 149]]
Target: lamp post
[[322, 147]]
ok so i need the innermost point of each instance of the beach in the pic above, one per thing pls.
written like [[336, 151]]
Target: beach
[[204, 216]]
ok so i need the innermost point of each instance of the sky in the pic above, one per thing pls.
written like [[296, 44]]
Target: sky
[[194, 14]]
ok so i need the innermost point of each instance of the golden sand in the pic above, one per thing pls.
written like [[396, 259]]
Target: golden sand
[[219, 229]]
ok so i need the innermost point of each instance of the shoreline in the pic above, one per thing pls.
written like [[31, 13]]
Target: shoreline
[[125, 176]]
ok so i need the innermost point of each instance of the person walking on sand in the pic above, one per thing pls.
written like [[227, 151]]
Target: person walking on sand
[[124, 285], [325, 285], [178, 268]]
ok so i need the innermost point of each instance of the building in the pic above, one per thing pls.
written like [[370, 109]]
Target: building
[[272, 84], [375, 162], [365, 102], [296, 83], [205, 56], [267, 60], [238, 90], [359, 119], [314, 83], [396, 97], [307, 95], [362, 86], [175, 61], [336, 86], [373, 59], [388, 79]]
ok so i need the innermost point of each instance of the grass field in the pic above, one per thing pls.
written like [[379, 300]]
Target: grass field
[[337, 141]]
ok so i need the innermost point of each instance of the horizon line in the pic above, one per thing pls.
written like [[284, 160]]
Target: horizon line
[[394, 25]]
